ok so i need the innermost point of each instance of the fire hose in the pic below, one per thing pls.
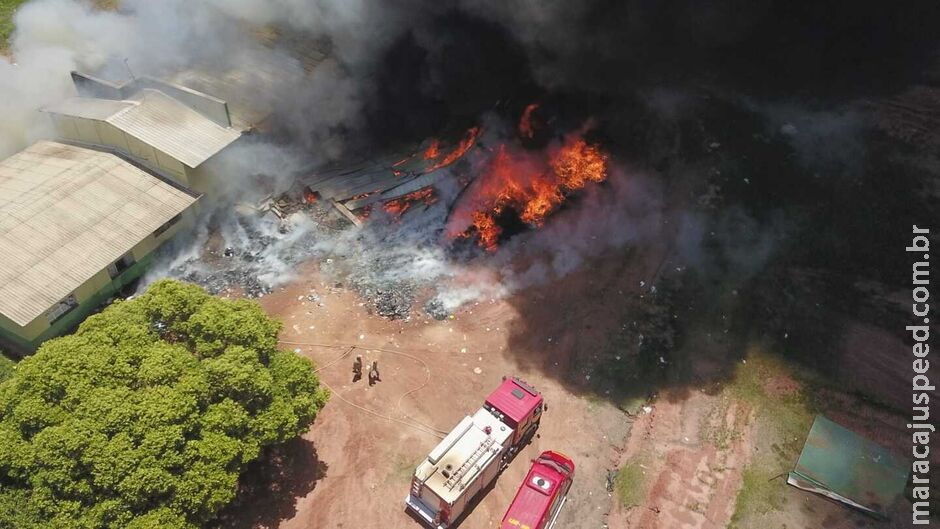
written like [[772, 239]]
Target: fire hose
[[411, 421]]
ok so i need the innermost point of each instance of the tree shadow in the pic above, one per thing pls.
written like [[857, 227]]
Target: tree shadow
[[269, 488]]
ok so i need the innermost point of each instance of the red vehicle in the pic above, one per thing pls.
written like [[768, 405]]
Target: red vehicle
[[473, 455], [542, 495]]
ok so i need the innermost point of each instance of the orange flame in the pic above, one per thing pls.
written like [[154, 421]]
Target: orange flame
[[400, 205], [532, 187], [310, 196], [434, 150], [578, 163], [466, 143], [526, 128]]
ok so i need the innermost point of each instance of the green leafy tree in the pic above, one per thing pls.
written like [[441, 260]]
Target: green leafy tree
[[145, 417], [6, 367]]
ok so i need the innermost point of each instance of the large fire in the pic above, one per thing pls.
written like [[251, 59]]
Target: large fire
[[531, 185]]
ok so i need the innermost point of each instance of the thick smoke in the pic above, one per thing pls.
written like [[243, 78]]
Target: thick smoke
[[393, 73]]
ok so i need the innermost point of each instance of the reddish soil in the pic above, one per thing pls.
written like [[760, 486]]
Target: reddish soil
[[692, 451], [365, 461]]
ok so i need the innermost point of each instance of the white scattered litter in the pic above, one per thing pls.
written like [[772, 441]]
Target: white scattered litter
[[647, 409], [477, 370]]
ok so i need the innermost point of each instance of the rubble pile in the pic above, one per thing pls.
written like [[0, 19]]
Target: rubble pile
[[375, 280], [434, 308], [266, 238]]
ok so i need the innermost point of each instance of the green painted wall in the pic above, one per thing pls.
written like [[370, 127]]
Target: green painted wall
[[90, 295]]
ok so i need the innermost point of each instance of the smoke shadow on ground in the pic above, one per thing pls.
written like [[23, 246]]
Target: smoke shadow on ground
[[773, 249], [268, 489], [611, 330]]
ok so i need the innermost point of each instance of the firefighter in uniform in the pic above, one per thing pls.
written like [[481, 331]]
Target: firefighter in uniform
[[357, 369], [374, 373]]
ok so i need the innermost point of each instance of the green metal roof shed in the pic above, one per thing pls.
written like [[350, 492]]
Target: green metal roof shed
[[842, 465]]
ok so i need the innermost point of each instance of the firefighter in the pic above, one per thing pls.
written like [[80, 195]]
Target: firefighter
[[357, 369], [374, 374]]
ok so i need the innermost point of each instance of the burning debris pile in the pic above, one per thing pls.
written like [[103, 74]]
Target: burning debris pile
[[396, 182], [468, 188], [253, 249], [262, 245], [524, 184], [530, 187]]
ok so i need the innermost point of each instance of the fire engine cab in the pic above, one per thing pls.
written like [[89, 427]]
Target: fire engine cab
[[473, 454], [542, 495]]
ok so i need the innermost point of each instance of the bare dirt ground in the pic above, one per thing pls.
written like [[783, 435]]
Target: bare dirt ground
[[708, 455], [691, 461], [364, 462]]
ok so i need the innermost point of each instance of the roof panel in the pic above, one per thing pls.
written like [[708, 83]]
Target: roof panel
[[157, 120], [83, 107], [76, 218]]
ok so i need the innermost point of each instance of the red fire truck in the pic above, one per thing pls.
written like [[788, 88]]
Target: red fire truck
[[542, 495], [473, 454]]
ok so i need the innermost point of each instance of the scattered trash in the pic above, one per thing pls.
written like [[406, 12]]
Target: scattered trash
[[435, 309], [611, 479]]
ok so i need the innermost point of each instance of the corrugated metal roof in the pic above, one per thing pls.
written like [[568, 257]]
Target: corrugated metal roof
[[840, 464], [66, 213], [99, 109], [157, 120]]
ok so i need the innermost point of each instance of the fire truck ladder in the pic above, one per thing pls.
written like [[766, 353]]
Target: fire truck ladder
[[474, 457]]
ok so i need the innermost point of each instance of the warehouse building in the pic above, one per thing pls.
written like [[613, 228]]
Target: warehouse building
[[77, 224], [167, 127]]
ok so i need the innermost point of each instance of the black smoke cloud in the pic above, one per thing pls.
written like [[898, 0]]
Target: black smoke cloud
[[404, 69]]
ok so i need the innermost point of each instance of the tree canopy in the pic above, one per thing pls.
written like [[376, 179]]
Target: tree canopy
[[6, 367], [145, 417]]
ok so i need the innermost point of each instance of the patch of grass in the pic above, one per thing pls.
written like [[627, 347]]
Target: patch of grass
[[630, 485], [402, 469], [6, 367], [784, 418], [7, 9], [782, 422], [713, 428], [760, 494]]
